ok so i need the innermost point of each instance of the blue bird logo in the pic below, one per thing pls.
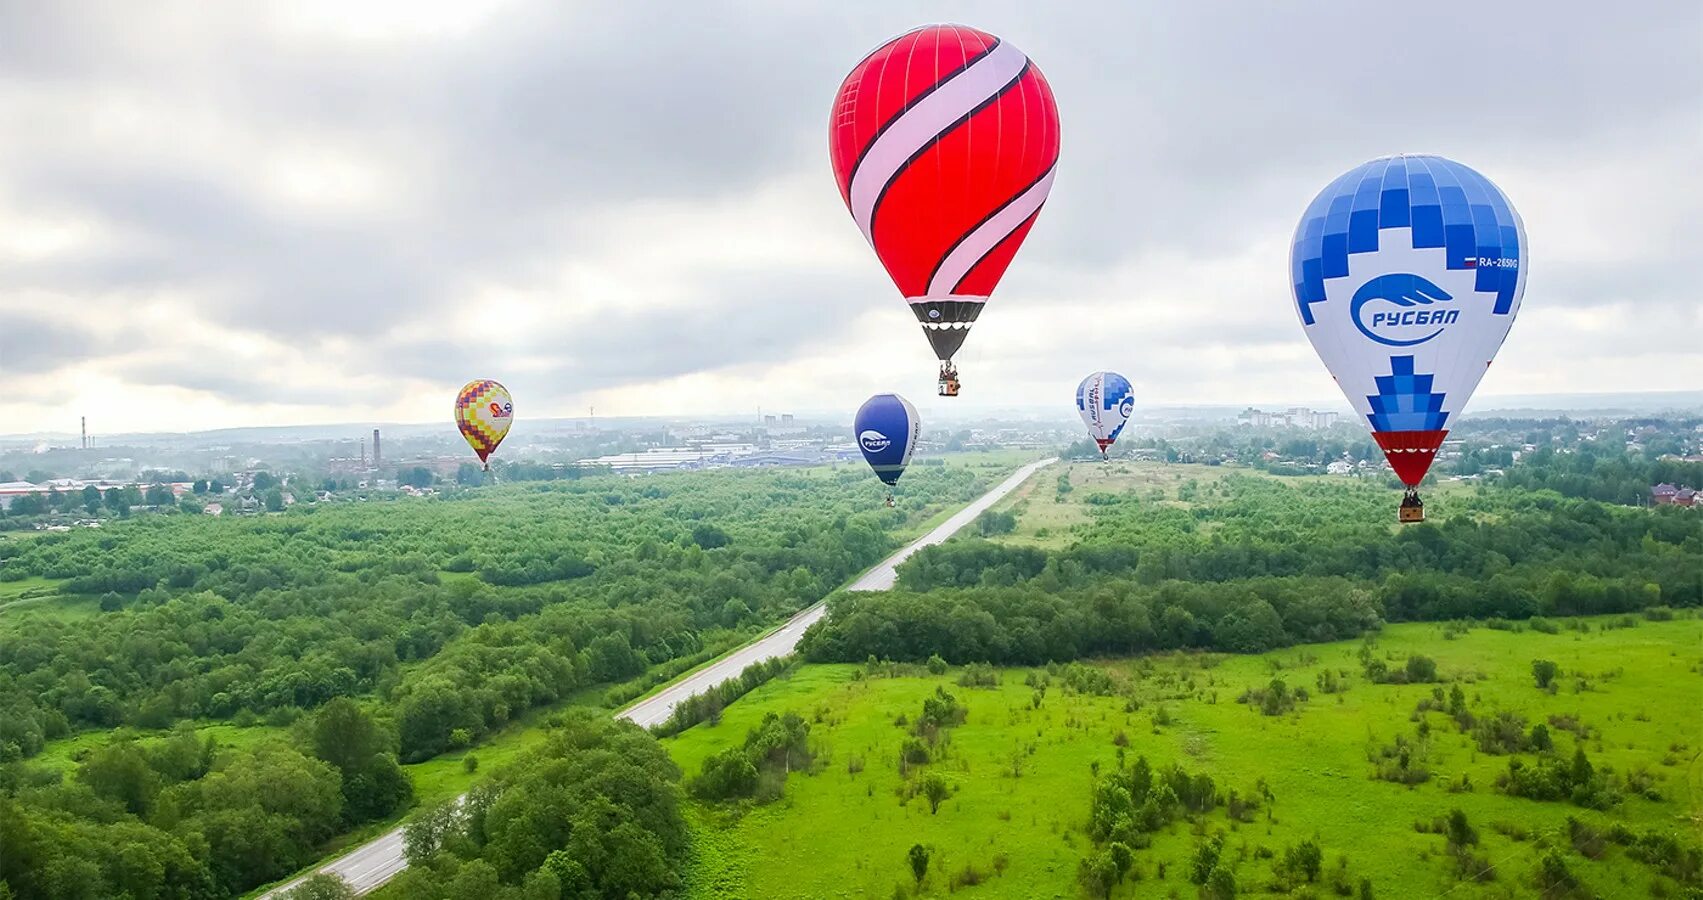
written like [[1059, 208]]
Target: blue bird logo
[[1409, 295]]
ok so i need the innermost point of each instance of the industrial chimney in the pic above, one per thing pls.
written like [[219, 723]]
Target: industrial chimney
[[375, 449]]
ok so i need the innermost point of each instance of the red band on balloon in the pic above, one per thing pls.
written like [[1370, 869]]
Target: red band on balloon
[[1410, 452]]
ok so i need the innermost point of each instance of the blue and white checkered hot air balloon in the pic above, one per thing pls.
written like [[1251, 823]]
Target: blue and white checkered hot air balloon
[[1105, 401], [1408, 272]]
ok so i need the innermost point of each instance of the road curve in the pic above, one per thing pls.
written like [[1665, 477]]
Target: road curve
[[372, 864]]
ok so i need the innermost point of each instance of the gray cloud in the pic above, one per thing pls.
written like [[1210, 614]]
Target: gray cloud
[[1202, 129], [37, 346], [225, 379], [735, 322]]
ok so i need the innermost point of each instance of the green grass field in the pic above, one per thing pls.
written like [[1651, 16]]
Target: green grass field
[[64, 753], [840, 834], [1046, 517], [1049, 519]]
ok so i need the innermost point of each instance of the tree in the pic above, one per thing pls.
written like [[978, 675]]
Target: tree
[[1554, 879], [729, 773], [1581, 771], [1221, 883], [120, 772], [1459, 831], [428, 833], [275, 500], [709, 537], [935, 788], [1544, 671], [159, 495], [1206, 859], [264, 480], [1304, 860], [919, 862], [372, 783], [199, 487], [321, 886], [1098, 874], [215, 486], [611, 657], [92, 499], [1122, 857], [28, 505], [994, 523], [1540, 739], [344, 735], [117, 501], [936, 665]]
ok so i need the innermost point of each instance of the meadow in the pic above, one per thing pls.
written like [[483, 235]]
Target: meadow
[[1051, 518], [1023, 765]]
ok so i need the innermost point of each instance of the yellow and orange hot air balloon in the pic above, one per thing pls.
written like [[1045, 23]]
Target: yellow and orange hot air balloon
[[483, 412]]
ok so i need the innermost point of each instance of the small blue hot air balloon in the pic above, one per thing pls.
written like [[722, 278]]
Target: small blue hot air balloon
[[1105, 401], [887, 428]]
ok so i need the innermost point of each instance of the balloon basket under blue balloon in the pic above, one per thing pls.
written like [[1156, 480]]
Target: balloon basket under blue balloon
[[1412, 508]]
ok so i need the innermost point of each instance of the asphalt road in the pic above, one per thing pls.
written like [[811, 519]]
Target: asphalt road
[[377, 861]]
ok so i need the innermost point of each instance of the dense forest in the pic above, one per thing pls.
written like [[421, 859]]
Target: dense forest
[[595, 812], [184, 817], [444, 618], [1246, 563]]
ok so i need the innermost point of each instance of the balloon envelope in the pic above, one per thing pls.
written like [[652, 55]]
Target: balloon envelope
[[887, 428], [944, 141], [1408, 272], [483, 412], [1105, 401]]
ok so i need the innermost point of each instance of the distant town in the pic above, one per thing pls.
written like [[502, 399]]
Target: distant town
[[60, 485]]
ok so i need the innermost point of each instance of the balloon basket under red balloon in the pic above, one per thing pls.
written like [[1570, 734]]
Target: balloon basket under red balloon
[[949, 383]]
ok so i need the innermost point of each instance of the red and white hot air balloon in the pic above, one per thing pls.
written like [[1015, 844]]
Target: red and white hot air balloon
[[944, 142]]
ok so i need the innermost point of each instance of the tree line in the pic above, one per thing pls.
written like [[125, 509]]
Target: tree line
[[1257, 564]]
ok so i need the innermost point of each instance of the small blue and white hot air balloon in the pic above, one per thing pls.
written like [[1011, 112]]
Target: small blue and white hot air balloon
[[1105, 401], [1408, 272], [887, 428]]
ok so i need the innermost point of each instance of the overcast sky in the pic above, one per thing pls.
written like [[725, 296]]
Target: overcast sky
[[221, 214]]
